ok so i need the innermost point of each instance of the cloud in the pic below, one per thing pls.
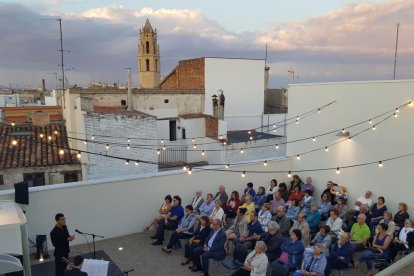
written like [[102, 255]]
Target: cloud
[[352, 43]]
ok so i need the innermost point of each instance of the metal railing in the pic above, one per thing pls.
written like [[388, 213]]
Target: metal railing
[[172, 155]]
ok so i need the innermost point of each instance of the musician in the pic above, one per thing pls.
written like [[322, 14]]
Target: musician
[[60, 239], [75, 268]]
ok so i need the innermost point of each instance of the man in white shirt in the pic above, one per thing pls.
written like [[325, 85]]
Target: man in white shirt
[[364, 200]]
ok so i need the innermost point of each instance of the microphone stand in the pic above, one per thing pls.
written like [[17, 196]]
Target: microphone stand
[[93, 241], [125, 272]]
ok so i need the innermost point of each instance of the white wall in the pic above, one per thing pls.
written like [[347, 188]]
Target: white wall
[[125, 205], [357, 101], [253, 122], [242, 81]]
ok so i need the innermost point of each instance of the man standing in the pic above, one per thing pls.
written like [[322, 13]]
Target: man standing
[[75, 269], [60, 239], [222, 195]]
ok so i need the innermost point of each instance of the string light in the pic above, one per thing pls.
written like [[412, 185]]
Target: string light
[[243, 174], [338, 171], [203, 153], [313, 139], [326, 149], [193, 140], [127, 162], [128, 147], [277, 146], [298, 157], [85, 142], [164, 148], [92, 137], [395, 115], [190, 171], [251, 138], [319, 110], [107, 146], [289, 174], [61, 152], [410, 103], [274, 130], [249, 132], [41, 135], [274, 126], [343, 130], [14, 142], [224, 143], [373, 127], [79, 155], [158, 151], [370, 121], [221, 137], [380, 164], [195, 146], [162, 141], [227, 166], [129, 140], [397, 110], [297, 121], [265, 163], [241, 151], [56, 133], [50, 138], [13, 123], [184, 168], [349, 139], [136, 163]]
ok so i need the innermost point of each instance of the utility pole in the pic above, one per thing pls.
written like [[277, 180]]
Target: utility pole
[[396, 48], [291, 72], [62, 66]]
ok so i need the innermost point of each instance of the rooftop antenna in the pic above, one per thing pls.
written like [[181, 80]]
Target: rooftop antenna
[[266, 56], [396, 48], [291, 72]]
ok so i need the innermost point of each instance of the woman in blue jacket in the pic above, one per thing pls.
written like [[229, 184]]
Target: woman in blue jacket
[[292, 246]]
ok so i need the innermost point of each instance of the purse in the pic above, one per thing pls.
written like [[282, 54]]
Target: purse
[[284, 258]]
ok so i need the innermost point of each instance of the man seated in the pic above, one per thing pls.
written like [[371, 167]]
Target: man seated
[[254, 229], [213, 248], [221, 195], [208, 205], [313, 217], [197, 201], [341, 254], [249, 191], [307, 185], [329, 187], [283, 221], [75, 269], [276, 202], [364, 210], [301, 225], [360, 233], [362, 200]]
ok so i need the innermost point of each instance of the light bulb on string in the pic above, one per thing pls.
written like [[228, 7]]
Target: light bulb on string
[[326, 149], [313, 139], [158, 151], [41, 135], [410, 103], [13, 123], [203, 153], [184, 168], [289, 174], [274, 130], [243, 174], [277, 146], [14, 142], [373, 127], [129, 140], [164, 148], [241, 151], [370, 121], [79, 155], [298, 157], [224, 143], [107, 146], [136, 163], [349, 139], [193, 140], [397, 110], [274, 126], [128, 147], [297, 121], [319, 110], [195, 146], [127, 162], [249, 132], [162, 141], [50, 138], [338, 171], [380, 164], [251, 138], [265, 163], [221, 137], [395, 115], [190, 170], [61, 152], [343, 130], [92, 137], [227, 166]]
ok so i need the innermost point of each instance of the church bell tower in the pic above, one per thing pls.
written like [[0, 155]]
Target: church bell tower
[[148, 57]]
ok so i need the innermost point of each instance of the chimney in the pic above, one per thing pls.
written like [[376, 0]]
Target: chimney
[[266, 78], [43, 85], [129, 96], [215, 106]]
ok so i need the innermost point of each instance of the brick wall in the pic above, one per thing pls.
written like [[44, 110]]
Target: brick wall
[[123, 127], [211, 127], [189, 74]]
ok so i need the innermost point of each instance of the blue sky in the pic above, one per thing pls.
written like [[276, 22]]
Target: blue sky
[[321, 40]]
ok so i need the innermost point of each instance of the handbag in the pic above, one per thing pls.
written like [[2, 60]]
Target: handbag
[[284, 258]]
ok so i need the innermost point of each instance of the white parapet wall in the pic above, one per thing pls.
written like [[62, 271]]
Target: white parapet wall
[[125, 205]]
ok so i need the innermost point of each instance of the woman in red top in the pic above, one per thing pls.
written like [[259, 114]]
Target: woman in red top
[[232, 205], [296, 194]]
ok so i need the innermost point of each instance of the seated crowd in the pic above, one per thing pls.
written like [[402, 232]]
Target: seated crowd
[[284, 228]]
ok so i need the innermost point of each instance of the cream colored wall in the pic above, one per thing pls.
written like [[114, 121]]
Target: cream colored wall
[[356, 101]]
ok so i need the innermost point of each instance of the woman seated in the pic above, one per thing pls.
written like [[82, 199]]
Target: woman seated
[[238, 229], [264, 216], [335, 223], [380, 249], [271, 190], [292, 252], [197, 240], [377, 212], [325, 205], [284, 193], [293, 210], [295, 194], [249, 205], [184, 230], [217, 212], [259, 198], [343, 210], [256, 262], [402, 242], [162, 212], [232, 206], [307, 199], [388, 221], [401, 215], [323, 239], [314, 262], [341, 192]]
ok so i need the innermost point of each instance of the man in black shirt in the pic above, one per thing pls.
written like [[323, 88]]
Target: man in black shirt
[[75, 269], [60, 239]]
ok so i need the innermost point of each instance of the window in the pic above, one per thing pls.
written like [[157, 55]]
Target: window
[[156, 65], [123, 102], [147, 64], [166, 101], [183, 133], [173, 130], [34, 179], [70, 177], [147, 47], [1, 180]]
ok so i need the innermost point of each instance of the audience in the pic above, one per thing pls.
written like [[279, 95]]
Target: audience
[[255, 263], [405, 239], [198, 239], [296, 182], [162, 212], [308, 185], [249, 206], [306, 201], [313, 217], [325, 205], [239, 227], [170, 222], [322, 239], [184, 229], [271, 190], [293, 210], [284, 193], [264, 216], [213, 248], [273, 240], [260, 198], [254, 229], [208, 205], [401, 216], [295, 194], [283, 221], [303, 227], [221, 195], [340, 254], [292, 252], [196, 202], [380, 249], [335, 223], [360, 233], [276, 202], [314, 263], [232, 206], [249, 191], [377, 212]]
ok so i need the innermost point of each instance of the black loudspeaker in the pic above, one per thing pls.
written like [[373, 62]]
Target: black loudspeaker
[[21, 193]]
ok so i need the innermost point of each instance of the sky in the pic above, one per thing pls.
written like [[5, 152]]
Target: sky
[[320, 40]]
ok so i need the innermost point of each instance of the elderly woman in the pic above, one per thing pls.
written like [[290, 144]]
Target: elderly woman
[[314, 263], [325, 205], [295, 194], [401, 215], [293, 210], [197, 240], [343, 209], [196, 202], [162, 212], [380, 249], [264, 216], [292, 252], [249, 205], [388, 221], [323, 239], [256, 262], [184, 230], [217, 212], [238, 229], [400, 243], [335, 223], [377, 212], [306, 201]]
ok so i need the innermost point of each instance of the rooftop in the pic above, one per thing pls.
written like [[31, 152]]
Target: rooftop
[[244, 136], [118, 110]]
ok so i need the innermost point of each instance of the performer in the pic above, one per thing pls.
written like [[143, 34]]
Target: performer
[[60, 239], [75, 268]]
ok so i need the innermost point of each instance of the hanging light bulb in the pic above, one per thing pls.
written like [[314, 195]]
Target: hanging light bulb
[[313, 139], [85, 142], [249, 132], [92, 137], [61, 152], [158, 151], [370, 121], [79, 155], [195, 146], [289, 174], [221, 137], [243, 174], [319, 110], [395, 115], [193, 140], [190, 171], [14, 142], [265, 163], [274, 126], [224, 143], [373, 127], [343, 130], [184, 168], [241, 151], [298, 157], [164, 148], [251, 138], [128, 147], [129, 140], [338, 171], [41, 135], [410, 103], [349, 139], [162, 141], [326, 149], [227, 166], [380, 164], [136, 163], [203, 153], [297, 121], [274, 130], [277, 146], [107, 146], [13, 123], [49, 138], [397, 110], [127, 162]]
